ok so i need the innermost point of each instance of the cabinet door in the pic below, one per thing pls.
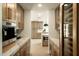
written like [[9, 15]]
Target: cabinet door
[[17, 53], [20, 17], [56, 50], [4, 12], [9, 12], [51, 50], [23, 51], [28, 48]]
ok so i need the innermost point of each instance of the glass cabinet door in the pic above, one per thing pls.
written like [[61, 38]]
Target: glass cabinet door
[[68, 29]]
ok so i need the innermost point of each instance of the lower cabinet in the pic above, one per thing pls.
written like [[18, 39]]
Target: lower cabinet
[[54, 50], [24, 50], [45, 40], [17, 53]]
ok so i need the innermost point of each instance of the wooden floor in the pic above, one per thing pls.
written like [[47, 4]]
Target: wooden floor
[[37, 49]]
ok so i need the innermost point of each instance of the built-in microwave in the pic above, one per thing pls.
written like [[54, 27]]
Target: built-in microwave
[[8, 32]]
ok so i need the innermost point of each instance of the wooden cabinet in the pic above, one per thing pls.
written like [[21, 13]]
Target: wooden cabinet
[[9, 12], [24, 50], [13, 13], [53, 49], [4, 8], [20, 17], [17, 53]]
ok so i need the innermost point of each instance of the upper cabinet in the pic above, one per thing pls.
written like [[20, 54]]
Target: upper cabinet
[[20, 17], [9, 12], [13, 13]]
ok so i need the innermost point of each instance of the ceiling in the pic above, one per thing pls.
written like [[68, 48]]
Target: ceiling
[[34, 6]]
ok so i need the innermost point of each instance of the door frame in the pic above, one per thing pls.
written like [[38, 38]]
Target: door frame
[[75, 29]]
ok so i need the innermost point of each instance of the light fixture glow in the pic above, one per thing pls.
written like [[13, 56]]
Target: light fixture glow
[[39, 5], [66, 5]]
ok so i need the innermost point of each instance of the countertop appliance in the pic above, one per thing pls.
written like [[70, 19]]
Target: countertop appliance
[[8, 32]]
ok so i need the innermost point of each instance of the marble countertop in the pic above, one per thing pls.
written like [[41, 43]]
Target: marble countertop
[[16, 46], [55, 41], [44, 34]]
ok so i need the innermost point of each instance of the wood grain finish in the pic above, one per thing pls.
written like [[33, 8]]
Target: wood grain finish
[[36, 25], [9, 12], [74, 33], [53, 48], [4, 8], [13, 13], [20, 17], [6, 48], [18, 48], [75, 29], [24, 50]]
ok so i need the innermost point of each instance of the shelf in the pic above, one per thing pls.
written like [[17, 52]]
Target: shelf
[[68, 10], [68, 15], [68, 52], [68, 29], [67, 7]]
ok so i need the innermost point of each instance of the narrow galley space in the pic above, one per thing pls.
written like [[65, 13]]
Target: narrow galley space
[[40, 29]]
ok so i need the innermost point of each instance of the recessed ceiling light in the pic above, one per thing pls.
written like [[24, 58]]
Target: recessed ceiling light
[[39, 5]]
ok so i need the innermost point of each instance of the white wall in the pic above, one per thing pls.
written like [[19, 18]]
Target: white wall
[[0, 29], [32, 16], [27, 24], [53, 33], [46, 16], [37, 15], [40, 15]]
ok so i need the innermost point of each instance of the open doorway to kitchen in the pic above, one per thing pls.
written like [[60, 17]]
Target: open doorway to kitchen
[[39, 33], [41, 15], [36, 29]]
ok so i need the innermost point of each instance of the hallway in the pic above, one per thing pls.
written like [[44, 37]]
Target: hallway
[[37, 49]]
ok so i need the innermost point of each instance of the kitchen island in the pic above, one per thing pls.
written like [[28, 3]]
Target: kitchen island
[[44, 39]]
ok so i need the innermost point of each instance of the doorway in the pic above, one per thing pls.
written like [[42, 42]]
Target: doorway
[[36, 29]]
